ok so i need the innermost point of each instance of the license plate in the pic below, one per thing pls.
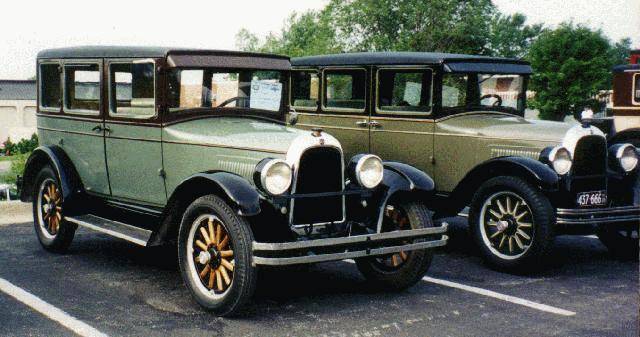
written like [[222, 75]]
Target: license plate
[[596, 198]]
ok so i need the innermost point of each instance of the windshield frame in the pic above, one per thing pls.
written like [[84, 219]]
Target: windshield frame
[[190, 113], [447, 111]]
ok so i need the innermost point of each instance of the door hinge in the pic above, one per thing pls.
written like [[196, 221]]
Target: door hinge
[[162, 173]]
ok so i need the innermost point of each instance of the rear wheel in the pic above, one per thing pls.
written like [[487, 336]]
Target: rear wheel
[[511, 222], [54, 233], [214, 248], [403, 269]]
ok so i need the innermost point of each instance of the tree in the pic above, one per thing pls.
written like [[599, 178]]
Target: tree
[[472, 26], [570, 64]]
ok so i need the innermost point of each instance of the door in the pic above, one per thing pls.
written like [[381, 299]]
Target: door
[[78, 130], [334, 100], [401, 125], [133, 133]]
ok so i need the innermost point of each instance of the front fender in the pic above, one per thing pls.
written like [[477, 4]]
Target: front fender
[[61, 164]]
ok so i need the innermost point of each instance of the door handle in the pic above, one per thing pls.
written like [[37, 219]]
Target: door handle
[[97, 128], [107, 129], [375, 124], [362, 124]]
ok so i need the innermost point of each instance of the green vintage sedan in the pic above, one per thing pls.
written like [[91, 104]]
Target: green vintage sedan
[[159, 145], [460, 118]]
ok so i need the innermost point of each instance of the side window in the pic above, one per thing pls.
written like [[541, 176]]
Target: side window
[[454, 90], [636, 88], [132, 90], [344, 89], [50, 88], [82, 88], [404, 91], [305, 85]]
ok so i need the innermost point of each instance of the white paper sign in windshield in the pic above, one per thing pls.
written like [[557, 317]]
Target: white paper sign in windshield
[[265, 95]]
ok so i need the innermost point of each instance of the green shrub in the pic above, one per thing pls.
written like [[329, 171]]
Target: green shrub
[[17, 168], [22, 147]]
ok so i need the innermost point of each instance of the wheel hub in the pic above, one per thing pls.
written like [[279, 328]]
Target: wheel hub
[[214, 261]]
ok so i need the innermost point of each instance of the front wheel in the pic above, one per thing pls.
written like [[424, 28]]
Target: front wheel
[[511, 222], [214, 253], [403, 269], [622, 243]]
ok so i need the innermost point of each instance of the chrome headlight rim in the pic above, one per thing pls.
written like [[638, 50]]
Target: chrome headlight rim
[[264, 175], [620, 151], [555, 155], [359, 169]]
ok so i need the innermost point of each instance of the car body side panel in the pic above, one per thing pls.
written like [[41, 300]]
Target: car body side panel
[[464, 141], [348, 128], [83, 145]]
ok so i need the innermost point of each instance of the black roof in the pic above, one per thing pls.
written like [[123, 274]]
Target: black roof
[[137, 51], [396, 58], [625, 67], [17, 90]]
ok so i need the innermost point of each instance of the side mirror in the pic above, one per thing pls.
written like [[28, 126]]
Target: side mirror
[[293, 117]]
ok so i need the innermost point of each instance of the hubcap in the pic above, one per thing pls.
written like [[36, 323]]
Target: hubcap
[[49, 208], [211, 252], [506, 224]]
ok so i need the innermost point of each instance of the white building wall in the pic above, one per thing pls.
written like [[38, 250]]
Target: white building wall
[[17, 119]]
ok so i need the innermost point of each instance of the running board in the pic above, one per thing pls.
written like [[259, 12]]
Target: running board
[[116, 229]]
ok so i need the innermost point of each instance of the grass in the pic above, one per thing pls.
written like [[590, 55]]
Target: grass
[[6, 158]]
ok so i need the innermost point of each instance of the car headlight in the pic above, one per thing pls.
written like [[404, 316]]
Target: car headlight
[[625, 155], [369, 171], [274, 176], [559, 158]]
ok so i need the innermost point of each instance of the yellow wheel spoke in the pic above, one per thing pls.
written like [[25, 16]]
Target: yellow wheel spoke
[[46, 197], [204, 271], [226, 253], [495, 234], [218, 279], [205, 236], [515, 208], [510, 244], [518, 217], [523, 234], [211, 232], [492, 224], [225, 276], [524, 224], [394, 260], [212, 277], [508, 205], [201, 245], [218, 234], [58, 216], [226, 264], [224, 242], [518, 242], [495, 214], [504, 236], [403, 255], [501, 207]]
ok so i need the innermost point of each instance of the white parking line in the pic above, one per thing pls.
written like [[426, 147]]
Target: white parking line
[[496, 295], [49, 310]]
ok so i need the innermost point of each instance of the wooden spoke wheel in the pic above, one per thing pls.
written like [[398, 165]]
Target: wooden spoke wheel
[[506, 224], [212, 254], [395, 219], [49, 207]]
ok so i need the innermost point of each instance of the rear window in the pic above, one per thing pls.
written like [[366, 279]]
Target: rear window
[[636, 88], [50, 88], [305, 86], [82, 88], [344, 89]]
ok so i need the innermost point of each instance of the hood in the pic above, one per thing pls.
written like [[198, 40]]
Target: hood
[[508, 127], [233, 132]]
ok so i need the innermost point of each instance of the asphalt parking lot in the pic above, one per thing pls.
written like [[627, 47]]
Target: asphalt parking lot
[[104, 286]]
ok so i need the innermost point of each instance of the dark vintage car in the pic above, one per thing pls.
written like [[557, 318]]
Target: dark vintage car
[[460, 118], [159, 145]]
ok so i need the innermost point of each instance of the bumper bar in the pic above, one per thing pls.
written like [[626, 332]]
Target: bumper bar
[[567, 216], [347, 247]]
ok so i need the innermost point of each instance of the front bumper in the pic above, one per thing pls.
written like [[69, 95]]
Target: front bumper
[[596, 216], [341, 248]]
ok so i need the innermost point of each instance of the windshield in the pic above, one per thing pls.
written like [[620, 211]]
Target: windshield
[[233, 91], [483, 92]]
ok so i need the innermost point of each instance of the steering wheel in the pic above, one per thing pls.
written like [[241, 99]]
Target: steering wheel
[[498, 101], [231, 100]]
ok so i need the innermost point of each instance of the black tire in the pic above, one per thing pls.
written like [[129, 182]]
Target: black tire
[[411, 269], [243, 281], [53, 232], [537, 225], [621, 244]]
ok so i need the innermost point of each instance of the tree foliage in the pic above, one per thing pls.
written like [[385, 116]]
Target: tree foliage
[[571, 64], [473, 27]]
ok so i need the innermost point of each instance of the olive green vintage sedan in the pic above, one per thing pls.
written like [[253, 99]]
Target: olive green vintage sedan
[[158, 145], [460, 118]]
